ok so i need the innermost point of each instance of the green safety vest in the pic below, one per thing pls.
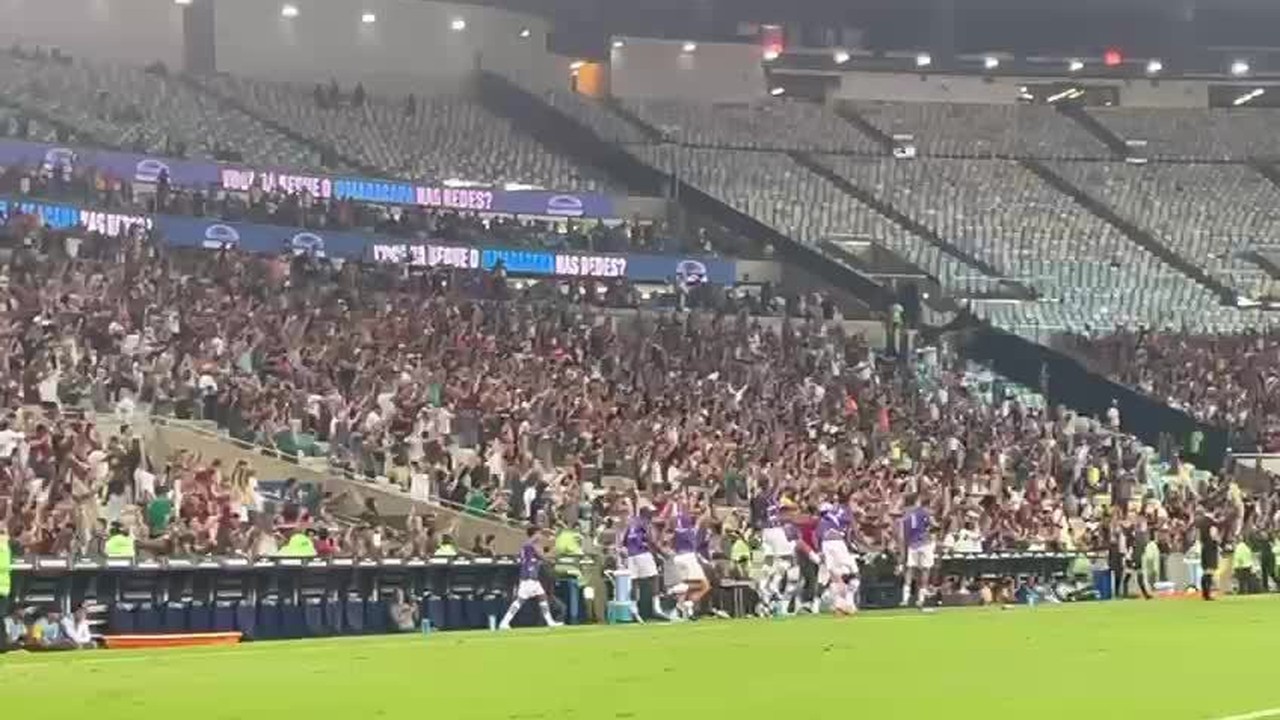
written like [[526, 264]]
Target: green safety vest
[[740, 552], [6, 563], [120, 546], [446, 550], [299, 545]]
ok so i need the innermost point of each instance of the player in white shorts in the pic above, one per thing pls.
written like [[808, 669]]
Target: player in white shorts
[[691, 585], [917, 538], [839, 564], [778, 584], [530, 586]]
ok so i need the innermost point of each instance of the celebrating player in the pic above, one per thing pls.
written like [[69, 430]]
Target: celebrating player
[[917, 539], [841, 567], [637, 543], [530, 585], [778, 584], [692, 579]]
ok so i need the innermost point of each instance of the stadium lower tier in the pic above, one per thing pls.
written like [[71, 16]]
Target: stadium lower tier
[[283, 598]]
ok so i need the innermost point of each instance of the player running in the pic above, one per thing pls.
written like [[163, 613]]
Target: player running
[[917, 538], [841, 567], [778, 583], [637, 543], [530, 585], [691, 583]]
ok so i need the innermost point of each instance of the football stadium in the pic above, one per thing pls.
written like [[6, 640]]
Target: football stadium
[[533, 359]]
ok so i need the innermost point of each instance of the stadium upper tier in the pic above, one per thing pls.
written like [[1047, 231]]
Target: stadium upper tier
[[132, 108], [445, 135], [966, 130], [988, 216], [1208, 213], [1197, 133]]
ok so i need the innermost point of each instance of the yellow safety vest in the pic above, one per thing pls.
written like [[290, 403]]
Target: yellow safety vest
[[299, 545], [6, 563], [120, 546]]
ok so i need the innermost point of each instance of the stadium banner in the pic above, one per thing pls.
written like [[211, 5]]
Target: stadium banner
[[251, 237], [61, 217], [635, 267], [182, 231], [143, 168], [133, 167], [545, 203]]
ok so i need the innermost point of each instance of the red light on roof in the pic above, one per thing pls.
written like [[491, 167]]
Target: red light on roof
[[1112, 58]]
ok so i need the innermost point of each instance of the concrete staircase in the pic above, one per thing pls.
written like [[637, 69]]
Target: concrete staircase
[[164, 436]]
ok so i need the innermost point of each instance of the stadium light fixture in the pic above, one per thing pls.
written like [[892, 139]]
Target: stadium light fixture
[[1239, 67], [923, 60], [368, 18], [618, 44], [991, 62], [457, 24], [689, 47], [770, 55], [525, 33], [776, 91], [1154, 67], [289, 11], [1247, 97], [182, 2], [841, 57], [1076, 65]]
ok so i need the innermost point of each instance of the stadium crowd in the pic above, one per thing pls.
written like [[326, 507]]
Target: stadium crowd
[[1224, 379], [441, 383], [531, 403], [298, 208]]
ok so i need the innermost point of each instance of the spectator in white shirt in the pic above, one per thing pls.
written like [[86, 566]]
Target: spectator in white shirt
[[75, 629]]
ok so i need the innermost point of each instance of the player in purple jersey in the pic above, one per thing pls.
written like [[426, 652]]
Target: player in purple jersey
[[781, 578], [637, 547], [917, 542], [530, 586], [835, 521], [691, 583]]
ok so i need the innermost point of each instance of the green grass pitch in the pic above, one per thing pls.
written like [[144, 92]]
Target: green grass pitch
[[1171, 660]]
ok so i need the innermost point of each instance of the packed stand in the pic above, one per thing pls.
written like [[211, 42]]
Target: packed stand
[[298, 208], [1227, 379], [442, 134]]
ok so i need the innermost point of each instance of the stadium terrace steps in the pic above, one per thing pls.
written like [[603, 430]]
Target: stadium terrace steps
[[1139, 236], [559, 133], [169, 435], [652, 133], [1267, 170], [1095, 128], [888, 210], [1266, 261], [319, 147], [865, 126]]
